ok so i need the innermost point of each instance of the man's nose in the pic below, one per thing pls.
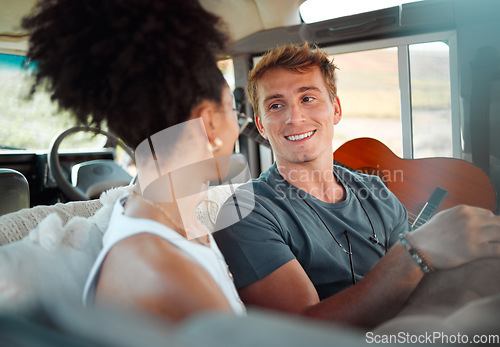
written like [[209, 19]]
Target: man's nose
[[295, 115]]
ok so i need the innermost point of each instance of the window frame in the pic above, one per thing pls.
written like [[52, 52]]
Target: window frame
[[402, 44]]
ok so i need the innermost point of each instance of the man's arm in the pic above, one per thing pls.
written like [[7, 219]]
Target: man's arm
[[373, 300], [455, 237]]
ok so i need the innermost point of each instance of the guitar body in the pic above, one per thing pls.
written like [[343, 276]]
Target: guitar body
[[413, 181]]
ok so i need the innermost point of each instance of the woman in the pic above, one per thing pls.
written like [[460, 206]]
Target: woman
[[147, 68]]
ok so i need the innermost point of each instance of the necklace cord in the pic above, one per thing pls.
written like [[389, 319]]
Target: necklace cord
[[350, 257], [321, 219], [373, 238]]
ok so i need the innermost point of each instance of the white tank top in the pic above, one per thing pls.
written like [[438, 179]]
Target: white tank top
[[209, 257]]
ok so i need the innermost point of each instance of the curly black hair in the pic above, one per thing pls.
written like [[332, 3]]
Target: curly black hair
[[139, 65]]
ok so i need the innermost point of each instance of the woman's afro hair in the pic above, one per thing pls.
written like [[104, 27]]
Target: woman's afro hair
[[139, 65]]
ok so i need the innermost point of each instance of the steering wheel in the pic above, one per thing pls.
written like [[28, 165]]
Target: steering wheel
[[92, 177]]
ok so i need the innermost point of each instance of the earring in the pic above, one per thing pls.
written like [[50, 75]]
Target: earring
[[218, 144]]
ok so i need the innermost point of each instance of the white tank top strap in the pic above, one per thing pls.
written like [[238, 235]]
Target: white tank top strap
[[209, 257]]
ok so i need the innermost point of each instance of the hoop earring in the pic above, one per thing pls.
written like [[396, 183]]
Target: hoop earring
[[217, 145]]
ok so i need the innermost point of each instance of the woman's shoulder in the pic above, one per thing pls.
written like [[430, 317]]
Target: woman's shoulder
[[166, 273]]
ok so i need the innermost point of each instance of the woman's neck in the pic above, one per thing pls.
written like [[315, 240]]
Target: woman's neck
[[174, 196], [179, 215]]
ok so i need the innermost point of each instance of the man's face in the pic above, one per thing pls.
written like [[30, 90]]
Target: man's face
[[297, 115]]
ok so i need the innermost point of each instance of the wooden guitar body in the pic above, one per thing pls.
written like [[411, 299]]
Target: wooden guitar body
[[413, 181]]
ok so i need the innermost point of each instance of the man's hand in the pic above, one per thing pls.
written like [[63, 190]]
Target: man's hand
[[458, 236]]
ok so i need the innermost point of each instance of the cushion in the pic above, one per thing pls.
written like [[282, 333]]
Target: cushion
[[57, 246], [15, 226]]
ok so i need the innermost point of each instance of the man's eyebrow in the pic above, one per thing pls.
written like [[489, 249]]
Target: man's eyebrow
[[307, 88], [271, 97], [299, 90]]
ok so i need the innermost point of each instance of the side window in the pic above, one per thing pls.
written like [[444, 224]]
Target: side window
[[227, 68], [399, 92], [368, 88], [431, 100]]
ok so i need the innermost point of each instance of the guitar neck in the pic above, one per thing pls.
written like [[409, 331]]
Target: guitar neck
[[429, 208]]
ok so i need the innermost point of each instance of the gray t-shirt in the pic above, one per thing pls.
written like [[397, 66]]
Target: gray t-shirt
[[284, 226]]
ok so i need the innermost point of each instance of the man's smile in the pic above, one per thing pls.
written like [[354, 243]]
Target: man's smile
[[300, 136]]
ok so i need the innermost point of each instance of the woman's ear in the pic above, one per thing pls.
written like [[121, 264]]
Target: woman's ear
[[206, 111]]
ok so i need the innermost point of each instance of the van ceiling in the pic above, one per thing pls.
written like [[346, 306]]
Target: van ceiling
[[242, 17]]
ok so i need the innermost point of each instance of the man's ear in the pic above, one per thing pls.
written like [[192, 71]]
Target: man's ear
[[260, 127], [337, 115]]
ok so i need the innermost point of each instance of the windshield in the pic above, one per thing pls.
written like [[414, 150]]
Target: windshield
[[30, 123]]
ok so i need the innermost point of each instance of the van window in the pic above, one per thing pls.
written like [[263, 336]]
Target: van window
[[430, 99], [399, 91], [368, 89], [31, 124], [227, 68]]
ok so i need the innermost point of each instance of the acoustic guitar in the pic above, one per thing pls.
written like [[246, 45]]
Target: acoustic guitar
[[424, 186]]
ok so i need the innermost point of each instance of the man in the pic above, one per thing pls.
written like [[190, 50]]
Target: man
[[323, 241]]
